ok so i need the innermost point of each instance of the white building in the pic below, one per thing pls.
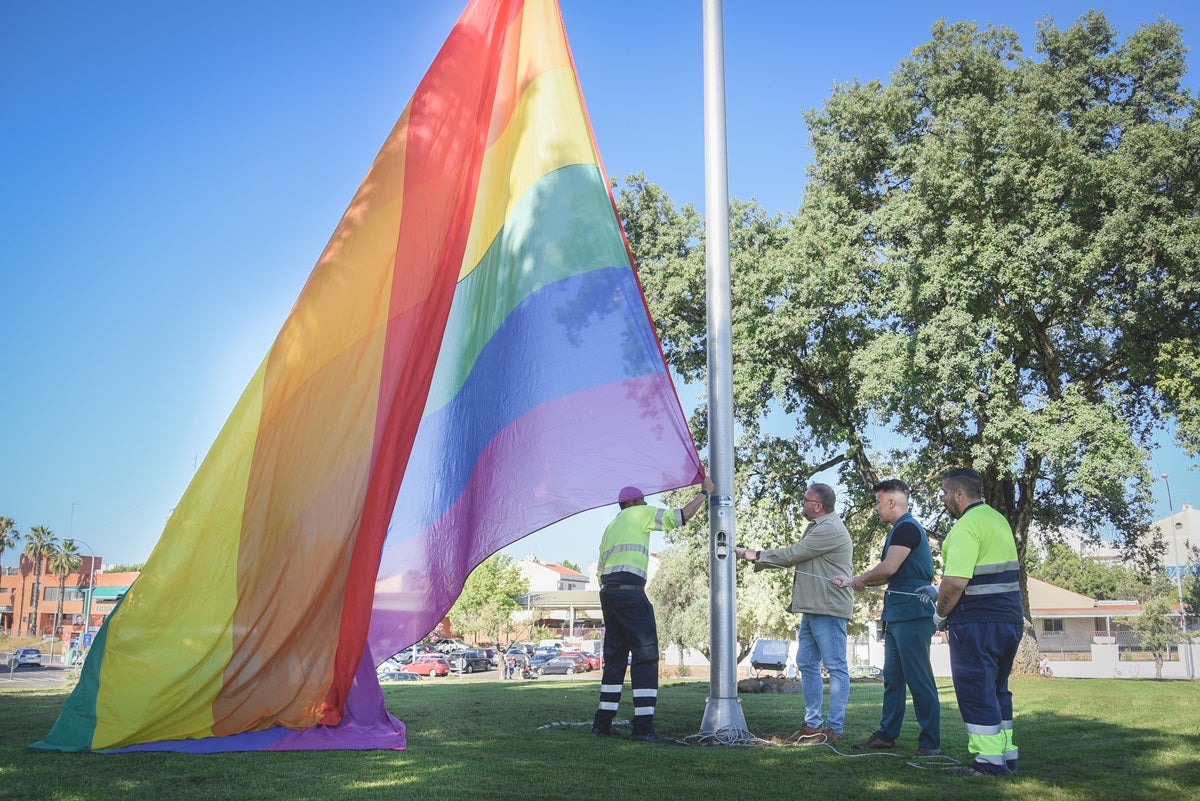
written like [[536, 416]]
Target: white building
[[544, 577], [1181, 533]]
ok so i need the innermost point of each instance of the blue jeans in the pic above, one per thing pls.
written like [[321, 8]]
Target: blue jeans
[[822, 639]]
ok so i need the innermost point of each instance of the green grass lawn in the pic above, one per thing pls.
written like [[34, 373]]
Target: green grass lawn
[[1079, 740]]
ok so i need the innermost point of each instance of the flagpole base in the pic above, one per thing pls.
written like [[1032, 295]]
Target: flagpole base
[[724, 722]]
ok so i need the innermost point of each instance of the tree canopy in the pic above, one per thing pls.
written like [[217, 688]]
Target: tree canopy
[[9, 536], [1159, 631], [489, 597], [1063, 567], [994, 265]]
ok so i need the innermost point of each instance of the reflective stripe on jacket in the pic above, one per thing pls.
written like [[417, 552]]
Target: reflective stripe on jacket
[[625, 547]]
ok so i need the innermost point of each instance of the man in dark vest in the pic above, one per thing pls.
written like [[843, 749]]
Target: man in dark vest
[[906, 567]]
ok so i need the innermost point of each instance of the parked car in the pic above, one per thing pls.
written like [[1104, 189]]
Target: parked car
[[592, 647], [588, 661], [388, 666], [516, 648], [398, 675], [406, 656], [469, 661], [541, 656], [28, 656], [428, 665], [451, 645], [559, 664]]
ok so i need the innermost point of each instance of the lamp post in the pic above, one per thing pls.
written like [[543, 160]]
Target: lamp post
[[87, 602], [1184, 647]]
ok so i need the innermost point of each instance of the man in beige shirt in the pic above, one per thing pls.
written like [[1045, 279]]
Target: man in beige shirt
[[824, 551]]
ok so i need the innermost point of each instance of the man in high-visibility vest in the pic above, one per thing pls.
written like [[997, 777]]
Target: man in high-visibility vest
[[630, 633], [979, 605]]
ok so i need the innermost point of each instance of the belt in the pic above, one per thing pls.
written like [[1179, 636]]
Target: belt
[[622, 587]]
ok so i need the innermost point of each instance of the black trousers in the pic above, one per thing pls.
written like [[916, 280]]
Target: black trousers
[[630, 637]]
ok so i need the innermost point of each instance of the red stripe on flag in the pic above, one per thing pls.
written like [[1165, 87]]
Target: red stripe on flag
[[447, 137]]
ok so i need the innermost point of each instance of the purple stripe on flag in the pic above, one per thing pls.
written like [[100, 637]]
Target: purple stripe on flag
[[567, 455], [366, 725]]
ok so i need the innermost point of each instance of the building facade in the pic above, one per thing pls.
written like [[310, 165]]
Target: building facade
[[88, 596], [549, 577]]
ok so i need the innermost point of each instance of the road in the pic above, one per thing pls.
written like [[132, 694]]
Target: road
[[30, 677], [494, 675], [53, 676]]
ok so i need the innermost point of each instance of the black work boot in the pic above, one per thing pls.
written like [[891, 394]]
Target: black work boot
[[602, 726], [643, 732]]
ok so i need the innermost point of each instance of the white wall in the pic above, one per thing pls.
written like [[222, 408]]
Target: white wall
[[1104, 664]]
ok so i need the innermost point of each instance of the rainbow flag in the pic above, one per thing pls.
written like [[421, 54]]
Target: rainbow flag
[[471, 360]]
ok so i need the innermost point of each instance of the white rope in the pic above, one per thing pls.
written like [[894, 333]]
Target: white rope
[[745, 739], [924, 598], [726, 737], [562, 724]]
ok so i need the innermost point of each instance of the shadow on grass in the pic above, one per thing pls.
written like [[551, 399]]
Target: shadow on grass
[[1083, 741]]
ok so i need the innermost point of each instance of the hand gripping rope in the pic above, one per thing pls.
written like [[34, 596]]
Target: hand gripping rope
[[925, 597]]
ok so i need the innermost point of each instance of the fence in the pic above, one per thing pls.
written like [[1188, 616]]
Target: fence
[[1080, 642]]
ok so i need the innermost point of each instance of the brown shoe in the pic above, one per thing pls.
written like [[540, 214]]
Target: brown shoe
[[831, 736], [927, 752], [874, 741], [807, 735]]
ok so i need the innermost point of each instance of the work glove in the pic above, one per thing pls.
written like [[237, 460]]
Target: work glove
[[928, 594], [939, 622]]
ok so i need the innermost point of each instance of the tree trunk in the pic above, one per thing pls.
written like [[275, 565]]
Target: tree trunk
[[33, 602], [62, 586], [1014, 501], [23, 572], [1027, 653]]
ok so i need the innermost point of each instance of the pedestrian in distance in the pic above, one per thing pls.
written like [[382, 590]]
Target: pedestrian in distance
[[823, 551], [906, 568], [630, 631]]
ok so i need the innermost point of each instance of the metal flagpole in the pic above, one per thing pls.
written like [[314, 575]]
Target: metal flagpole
[[723, 712]]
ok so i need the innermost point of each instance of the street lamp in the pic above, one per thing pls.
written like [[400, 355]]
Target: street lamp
[[87, 603], [1183, 645]]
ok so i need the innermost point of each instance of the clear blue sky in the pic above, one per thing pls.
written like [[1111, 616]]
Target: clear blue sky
[[170, 173]]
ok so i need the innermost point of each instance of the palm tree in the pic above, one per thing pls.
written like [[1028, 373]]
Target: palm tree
[[63, 560], [38, 544], [9, 536]]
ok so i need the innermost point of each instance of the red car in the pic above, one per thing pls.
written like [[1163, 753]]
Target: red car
[[428, 665], [591, 661]]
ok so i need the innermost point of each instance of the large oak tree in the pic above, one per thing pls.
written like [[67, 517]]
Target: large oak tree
[[996, 264]]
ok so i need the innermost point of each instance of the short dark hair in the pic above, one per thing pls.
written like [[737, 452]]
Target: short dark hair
[[892, 485], [965, 479], [825, 495]]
